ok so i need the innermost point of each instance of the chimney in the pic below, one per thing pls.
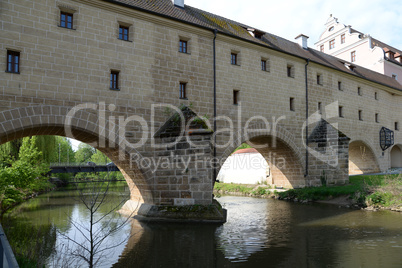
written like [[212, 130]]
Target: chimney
[[179, 3], [302, 40]]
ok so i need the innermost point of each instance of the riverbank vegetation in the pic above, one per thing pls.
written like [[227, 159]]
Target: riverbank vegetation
[[23, 175], [24, 167], [373, 192]]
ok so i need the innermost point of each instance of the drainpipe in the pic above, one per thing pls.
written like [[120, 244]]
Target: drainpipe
[[306, 76], [214, 55]]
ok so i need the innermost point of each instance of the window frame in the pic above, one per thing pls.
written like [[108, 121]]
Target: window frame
[[353, 56], [340, 111], [114, 80], [236, 96], [322, 48], [183, 90], [290, 71], [332, 44], [67, 14], [319, 79], [343, 38], [124, 36], [233, 58], [340, 86], [183, 46], [263, 65], [14, 55], [292, 104]]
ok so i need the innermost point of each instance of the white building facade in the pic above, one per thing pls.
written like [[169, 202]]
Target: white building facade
[[356, 48]]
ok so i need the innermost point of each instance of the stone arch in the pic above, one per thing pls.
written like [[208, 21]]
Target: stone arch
[[281, 153], [362, 159], [84, 125], [396, 156]]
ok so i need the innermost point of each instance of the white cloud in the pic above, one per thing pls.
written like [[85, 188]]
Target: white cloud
[[380, 19]]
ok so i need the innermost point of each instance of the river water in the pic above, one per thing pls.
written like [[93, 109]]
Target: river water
[[258, 233]]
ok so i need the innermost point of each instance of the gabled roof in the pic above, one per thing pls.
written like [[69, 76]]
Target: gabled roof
[[238, 30]]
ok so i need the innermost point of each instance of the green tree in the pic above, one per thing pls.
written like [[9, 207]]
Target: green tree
[[9, 149], [55, 149], [84, 153], [22, 176], [100, 158]]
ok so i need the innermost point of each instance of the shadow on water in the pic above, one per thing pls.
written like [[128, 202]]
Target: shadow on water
[[271, 233]]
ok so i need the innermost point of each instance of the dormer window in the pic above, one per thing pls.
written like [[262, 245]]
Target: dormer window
[[257, 34], [390, 55], [398, 57]]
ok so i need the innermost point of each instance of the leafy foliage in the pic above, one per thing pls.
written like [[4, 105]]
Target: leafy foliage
[[22, 177], [84, 153]]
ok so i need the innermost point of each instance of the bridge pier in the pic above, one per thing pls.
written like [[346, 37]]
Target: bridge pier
[[183, 180]]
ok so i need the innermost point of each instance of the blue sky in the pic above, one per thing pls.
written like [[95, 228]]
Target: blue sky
[[289, 18]]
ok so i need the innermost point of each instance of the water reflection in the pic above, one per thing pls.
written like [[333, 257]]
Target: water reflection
[[259, 232]]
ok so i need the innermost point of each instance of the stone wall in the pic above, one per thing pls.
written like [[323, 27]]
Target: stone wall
[[62, 68]]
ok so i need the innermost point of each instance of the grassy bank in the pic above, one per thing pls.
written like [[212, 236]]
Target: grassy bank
[[375, 192], [242, 189]]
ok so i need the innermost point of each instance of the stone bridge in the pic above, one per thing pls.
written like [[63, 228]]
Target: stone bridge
[[169, 103]]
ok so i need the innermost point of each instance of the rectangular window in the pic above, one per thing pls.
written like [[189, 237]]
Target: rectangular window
[[13, 61], [395, 76], [396, 126], [360, 115], [123, 32], [292, 104], [322, 48], [319, 79], [263, 65], [66, 20], [339, 85], [319, 108], [290, 71], [377, 118], [342, 38], [359, 91], [114, 80], [332, 44], [376, 95], [340, 111], [236, 95], [233, 58], [353, 56], [183, 46], [183, 93]]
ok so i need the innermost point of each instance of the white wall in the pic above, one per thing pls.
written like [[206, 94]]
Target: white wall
[[245, 168]]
